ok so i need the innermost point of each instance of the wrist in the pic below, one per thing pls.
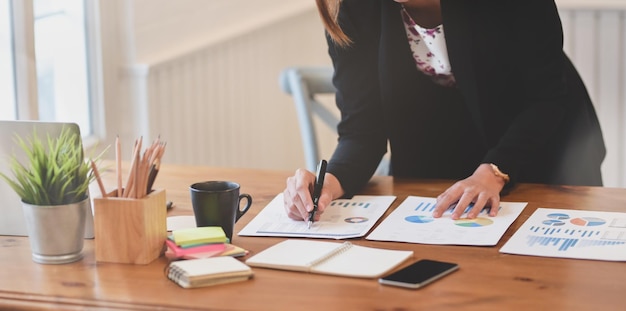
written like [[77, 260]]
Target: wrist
[[498, 173], [334, 186]]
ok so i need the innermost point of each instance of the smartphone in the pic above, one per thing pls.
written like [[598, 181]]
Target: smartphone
[[419, 273]]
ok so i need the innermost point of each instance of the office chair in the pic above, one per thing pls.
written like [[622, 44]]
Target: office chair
[[303, 84]]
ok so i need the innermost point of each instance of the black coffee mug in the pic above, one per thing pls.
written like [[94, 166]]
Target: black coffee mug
[[218, 203]]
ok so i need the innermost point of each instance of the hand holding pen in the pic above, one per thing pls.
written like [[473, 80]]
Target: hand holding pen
[[317, 190]]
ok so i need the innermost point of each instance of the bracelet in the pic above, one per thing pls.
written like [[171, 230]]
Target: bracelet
[[499, 173]]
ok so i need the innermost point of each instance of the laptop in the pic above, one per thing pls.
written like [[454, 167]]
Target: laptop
[[12, 221]]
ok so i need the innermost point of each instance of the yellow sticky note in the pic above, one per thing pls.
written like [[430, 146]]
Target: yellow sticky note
[[200, 235]]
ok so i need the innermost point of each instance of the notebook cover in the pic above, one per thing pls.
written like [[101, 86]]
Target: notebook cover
[[208, 271]]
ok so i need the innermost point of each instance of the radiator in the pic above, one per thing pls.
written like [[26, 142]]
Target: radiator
[[221, 105]]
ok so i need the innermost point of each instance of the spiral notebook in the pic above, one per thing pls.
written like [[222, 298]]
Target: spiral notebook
[[208, 271], [342, 259]]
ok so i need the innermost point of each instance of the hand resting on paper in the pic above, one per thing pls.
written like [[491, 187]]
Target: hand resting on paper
[[482, 188], [297, 194]]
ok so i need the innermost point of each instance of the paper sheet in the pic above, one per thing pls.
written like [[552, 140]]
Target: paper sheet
[[342, 219], [571, 234], [412, 222], [180, 222]]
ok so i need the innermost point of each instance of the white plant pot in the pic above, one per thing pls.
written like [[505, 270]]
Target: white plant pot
[[56, 232]]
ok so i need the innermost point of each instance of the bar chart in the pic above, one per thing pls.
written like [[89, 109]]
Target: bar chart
[[571, 234]]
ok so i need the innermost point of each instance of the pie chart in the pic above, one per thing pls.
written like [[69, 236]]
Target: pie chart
[[553, 222], [588, 221], [356, 220], [476, 222], [560, 216], [419, 219]]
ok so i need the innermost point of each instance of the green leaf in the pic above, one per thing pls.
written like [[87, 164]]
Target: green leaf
[[56, 171]]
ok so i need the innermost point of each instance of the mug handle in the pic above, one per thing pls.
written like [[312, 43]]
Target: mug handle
[[240, 211]]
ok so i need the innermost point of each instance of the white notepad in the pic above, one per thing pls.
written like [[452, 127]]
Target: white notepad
[[343, 259], [208, 271]]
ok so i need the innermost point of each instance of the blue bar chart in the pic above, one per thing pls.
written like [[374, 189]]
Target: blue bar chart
[[348, 204], [571, 234], [430, 207], [563, 244]]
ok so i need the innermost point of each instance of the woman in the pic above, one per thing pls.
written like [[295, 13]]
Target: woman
[[477, 91]]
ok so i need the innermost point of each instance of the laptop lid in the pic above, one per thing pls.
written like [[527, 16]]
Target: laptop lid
[[12, 221]]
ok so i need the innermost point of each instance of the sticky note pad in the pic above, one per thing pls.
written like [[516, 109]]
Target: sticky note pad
[[200, 235]]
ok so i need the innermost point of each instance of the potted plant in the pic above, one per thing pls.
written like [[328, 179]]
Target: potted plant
[[53, 185]]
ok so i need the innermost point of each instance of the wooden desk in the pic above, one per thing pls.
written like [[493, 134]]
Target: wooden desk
[[487, 279]]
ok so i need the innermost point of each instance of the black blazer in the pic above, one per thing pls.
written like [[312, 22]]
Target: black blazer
[[518, 100]]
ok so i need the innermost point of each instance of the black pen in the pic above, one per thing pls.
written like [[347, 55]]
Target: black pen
[[317, 189]]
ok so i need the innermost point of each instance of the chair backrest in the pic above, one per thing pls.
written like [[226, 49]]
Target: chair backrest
[[303, 84]]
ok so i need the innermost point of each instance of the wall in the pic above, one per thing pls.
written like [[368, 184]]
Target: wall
[[164, 29], [206, 80], [595, 40]]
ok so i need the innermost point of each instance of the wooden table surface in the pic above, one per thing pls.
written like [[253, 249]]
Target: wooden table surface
[[487, 279]]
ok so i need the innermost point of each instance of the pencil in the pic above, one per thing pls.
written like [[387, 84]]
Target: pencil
[[98, 179], [144, 168], [155, 161], [154, 170], [118, 163], [135, 173], [133, 165]]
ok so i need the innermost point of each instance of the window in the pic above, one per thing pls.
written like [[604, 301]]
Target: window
[[61, 61], [7, 86]]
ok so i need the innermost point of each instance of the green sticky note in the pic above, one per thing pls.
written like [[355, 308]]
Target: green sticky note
[[200, 235]]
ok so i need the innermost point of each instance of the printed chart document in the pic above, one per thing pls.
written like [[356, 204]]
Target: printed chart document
[[412, 222], [571, 234], [343, 259], [342, 219]]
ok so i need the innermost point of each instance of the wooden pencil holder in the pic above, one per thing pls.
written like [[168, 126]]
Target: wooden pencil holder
[[130, 230]]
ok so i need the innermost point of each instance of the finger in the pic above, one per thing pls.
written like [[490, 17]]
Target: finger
[[288, 198], [479, 204], [303, 184], [290, 205], [290, 191], [304, 181], [444, 201], [300, 208], [464, 202], [294, 214], [495, 206], [322, 204], [294, 193]]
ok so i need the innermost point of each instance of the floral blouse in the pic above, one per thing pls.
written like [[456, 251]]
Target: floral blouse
[[429, 50]]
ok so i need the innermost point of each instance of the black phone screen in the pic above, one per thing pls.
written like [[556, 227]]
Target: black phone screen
[[419, 273]]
